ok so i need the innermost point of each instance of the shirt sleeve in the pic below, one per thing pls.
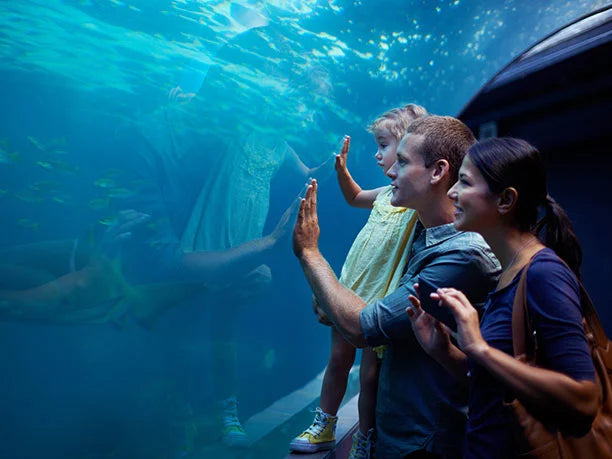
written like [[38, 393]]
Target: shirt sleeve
[[553, 297], [470, 270]]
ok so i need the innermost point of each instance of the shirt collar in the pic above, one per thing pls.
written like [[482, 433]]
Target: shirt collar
[[437, 234]]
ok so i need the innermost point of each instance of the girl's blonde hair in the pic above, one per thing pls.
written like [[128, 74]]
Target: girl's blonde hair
[[397, 120]]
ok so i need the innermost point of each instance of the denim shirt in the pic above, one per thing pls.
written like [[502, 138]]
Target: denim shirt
[[420, 405]]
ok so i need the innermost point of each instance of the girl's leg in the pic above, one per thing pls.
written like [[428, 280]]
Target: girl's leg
[[368, 382], [341, 360], [321, 434]]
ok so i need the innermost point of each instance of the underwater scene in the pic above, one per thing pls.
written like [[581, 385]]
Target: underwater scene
[[152, 156]]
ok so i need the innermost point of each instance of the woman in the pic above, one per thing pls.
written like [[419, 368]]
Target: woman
[[501, 189]]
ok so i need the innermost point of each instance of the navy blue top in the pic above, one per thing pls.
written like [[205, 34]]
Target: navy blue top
[[553, 298], [419, 404]]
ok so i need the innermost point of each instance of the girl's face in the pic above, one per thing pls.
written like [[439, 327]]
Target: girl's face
[[387, 146], [475, 204]]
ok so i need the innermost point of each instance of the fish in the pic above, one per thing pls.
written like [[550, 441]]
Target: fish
[[107, 221], [60, 199], [55, 165], [37, 143], [269, 359], [46, 165], [27, 223], [45, 185], [8, 158], [120, 193], [105, 183], [28, 196], [99, 203]]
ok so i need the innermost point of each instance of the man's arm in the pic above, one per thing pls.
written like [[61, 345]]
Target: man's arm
[[386, 320], [340, 304]]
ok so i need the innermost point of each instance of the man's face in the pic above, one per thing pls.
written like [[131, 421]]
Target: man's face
[[409, 176]]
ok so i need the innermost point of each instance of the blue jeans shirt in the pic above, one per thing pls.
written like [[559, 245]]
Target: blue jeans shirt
[[420, 405]]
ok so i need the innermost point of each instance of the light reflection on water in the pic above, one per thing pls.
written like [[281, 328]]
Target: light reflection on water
[[205, 118]]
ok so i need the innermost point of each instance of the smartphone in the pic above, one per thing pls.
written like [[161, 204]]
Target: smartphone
[[431, 306]]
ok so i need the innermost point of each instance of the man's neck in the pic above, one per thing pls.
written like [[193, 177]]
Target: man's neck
[[440, 212]]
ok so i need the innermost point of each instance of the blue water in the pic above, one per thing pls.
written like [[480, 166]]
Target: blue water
[[86, 112]]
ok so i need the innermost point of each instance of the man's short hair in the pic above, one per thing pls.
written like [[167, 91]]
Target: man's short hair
[[444, 137]]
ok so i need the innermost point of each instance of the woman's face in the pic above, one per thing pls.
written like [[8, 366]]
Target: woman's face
[[475, 204]]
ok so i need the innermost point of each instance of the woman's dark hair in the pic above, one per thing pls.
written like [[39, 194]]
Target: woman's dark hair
[[508, 162]]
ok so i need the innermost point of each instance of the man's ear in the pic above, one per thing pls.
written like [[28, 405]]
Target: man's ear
[[440, 170], [507, 200]]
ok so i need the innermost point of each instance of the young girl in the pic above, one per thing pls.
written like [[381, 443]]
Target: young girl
[[501, 188], [373, 268]]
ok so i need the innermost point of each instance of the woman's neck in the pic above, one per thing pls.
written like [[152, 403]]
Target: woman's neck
[[513, 249]]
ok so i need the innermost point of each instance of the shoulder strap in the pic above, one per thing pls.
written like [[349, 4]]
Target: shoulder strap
[[521, 325], [592, 319], [522, 330]]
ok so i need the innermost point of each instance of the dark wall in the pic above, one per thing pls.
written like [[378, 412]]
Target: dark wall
[[563, 107]]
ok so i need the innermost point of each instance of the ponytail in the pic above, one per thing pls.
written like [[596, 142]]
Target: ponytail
[[507, 162], [556, 231]]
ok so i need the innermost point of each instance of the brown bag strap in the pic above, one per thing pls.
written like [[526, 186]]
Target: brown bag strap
[[592, 319], [522, 331], [521, 325]]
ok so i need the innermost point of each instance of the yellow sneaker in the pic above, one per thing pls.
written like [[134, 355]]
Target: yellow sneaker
[[319, 436], [362, 445], [232, 432]]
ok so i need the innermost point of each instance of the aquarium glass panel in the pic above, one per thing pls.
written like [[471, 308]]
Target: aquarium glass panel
[[153, 155]]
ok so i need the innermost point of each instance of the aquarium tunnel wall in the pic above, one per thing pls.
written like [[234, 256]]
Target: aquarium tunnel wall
[[138, 134]]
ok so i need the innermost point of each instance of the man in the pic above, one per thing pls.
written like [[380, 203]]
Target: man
[[420, 410]]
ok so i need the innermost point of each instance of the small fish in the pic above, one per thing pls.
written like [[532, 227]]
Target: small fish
[[3, 192], [28, 196], [27, 223], [269, 359], [44, 185], [60, 199], [98, 203], [37, 143], [8, 158], [113, 173], [54, 143], [154, 225], [64, 166], [46, 165], [105, 183], [107, 221], [120, 193]]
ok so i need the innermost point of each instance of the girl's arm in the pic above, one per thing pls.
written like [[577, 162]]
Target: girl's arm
[[551, 391], [352, 192]]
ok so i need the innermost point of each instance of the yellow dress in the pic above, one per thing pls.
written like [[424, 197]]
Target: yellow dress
[[375, 263], [233, 203]]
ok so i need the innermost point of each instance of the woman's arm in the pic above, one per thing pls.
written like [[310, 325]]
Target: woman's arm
[[222, 265], [353, 194], [434, 338], [551, 391]]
